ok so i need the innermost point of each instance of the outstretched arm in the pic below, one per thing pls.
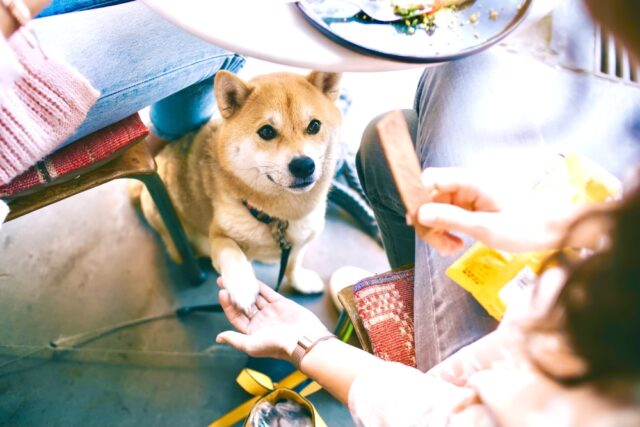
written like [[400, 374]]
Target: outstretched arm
[[377, 392], [274, 330]]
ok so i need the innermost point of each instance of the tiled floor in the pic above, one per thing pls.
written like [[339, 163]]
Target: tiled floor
[[89, 261]]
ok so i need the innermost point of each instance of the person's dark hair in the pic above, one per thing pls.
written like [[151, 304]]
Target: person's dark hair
[[597, 312], [598, 309]]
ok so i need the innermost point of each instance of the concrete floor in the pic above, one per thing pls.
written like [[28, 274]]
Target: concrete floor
[[89, 262]]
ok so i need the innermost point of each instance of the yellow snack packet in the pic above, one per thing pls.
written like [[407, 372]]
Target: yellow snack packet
[[495, 277]]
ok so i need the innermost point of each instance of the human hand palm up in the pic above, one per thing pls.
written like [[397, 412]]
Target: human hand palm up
[[274, 328]]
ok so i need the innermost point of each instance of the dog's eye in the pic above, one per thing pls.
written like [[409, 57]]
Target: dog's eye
[[267, 132], [314, 127]]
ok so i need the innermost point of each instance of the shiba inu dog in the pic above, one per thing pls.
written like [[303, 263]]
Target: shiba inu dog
[[272, 152]]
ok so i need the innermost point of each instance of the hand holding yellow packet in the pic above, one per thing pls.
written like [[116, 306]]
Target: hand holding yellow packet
[[495, 277]]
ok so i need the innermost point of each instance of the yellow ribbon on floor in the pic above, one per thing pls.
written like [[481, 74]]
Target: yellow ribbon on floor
[[262, 387]]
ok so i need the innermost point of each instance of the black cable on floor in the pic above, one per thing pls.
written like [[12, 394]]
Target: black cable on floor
[[77, 340]]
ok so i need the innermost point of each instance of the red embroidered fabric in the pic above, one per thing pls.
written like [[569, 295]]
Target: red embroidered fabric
[[385, 305], [77, 157]]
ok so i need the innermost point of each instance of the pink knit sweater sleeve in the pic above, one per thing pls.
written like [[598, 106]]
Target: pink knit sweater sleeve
[[46, 103]]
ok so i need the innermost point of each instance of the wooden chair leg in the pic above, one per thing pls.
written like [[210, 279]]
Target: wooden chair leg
[[161, 198]]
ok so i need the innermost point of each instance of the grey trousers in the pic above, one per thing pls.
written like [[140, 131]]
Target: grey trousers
[[494, 111]]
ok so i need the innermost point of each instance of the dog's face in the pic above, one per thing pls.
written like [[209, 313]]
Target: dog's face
[[279, 129]]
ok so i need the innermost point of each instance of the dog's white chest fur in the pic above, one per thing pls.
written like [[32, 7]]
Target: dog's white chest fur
[[256, 238]]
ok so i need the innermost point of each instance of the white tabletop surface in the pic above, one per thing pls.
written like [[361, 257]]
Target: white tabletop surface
[[276, 31], [270, 30]]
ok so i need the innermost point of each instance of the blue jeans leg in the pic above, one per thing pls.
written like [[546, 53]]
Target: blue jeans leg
[[135, 58], [376, 180], [57, 7], [468, 114], [498, 111], [183, 111], [493, 111]]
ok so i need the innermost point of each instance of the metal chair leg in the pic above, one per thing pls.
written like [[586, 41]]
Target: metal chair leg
[[161, 198]]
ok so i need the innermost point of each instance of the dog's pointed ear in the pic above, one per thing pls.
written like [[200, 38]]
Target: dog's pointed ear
[[231, 93], [328, 83]]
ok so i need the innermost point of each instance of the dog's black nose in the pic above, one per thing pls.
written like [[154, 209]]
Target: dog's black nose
[[302, 167]]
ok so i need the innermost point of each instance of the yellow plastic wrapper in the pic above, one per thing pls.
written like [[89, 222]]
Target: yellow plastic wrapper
[[494, 277]]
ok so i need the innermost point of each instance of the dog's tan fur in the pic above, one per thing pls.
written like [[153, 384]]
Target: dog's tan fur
[[209, 174]]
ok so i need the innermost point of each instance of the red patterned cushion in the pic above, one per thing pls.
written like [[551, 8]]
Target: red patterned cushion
[[82, 154], [385, 305]]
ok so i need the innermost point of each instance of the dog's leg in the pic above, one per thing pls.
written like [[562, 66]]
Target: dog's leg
[[236, 271], [300, 278]]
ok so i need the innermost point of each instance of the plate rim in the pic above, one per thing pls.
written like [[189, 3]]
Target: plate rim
[[322, 27]]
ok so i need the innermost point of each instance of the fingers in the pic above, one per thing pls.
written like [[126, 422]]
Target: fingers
[[447, 180], [269, 294], [234, 339], [236, 317], [251, 311], [452, 218], [445, 243], [461, 187], [261, 302]]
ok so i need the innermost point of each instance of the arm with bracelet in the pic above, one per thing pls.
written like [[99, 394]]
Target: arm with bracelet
[[377, 392], [285, 330]]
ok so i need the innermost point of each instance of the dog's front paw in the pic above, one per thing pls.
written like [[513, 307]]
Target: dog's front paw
[[243, 288], [307, 281]]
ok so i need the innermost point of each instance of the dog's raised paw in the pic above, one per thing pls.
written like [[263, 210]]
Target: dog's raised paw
[[243, 288], [307, 281]]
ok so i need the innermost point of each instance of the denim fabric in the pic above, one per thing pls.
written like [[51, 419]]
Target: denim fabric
[[136, 59], [185, 110], [494, 111], [397, 237], [466, 114], [57, 7]]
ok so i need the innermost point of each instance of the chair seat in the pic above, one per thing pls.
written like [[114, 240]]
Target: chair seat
[[85, 154], [118, 151]]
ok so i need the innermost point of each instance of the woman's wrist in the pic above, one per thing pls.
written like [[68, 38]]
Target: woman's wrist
[[306, 345], [304, 338]]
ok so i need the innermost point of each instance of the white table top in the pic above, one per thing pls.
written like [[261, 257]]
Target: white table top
[[276, 31], [273, 31]]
